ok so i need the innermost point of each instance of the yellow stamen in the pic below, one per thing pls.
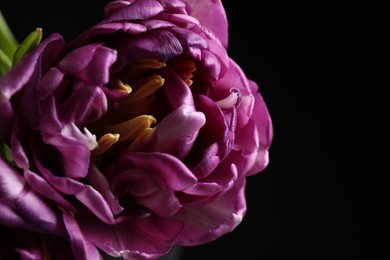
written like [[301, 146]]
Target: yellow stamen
[[119, 86], [184, 68], [45, 249], [140, 141], [145, 87], [105, 143], [188, 82], [144, 64], [130, 129]]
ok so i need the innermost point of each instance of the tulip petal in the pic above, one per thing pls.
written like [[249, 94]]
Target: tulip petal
[[20, 75], [82, 248], [207, 222], [15, 79], [135, 10], [170, 170], [161, 44], [85, 104], [11, 182], [22, 207], [100, 183], [45, 189], [141, 238], [75, 152], [89, 62], [211, 14], [214, 138], [176, 133]]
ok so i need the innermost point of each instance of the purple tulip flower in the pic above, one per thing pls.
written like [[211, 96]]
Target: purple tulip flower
[[134, 137]]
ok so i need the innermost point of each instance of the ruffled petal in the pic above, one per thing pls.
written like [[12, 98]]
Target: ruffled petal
[[82, 248], [19, 76], [133, 10], [167, 168], [176, 133], [89, 62], [21, 207], [140, 238], [207, 222], [75, 152], [212, 15]]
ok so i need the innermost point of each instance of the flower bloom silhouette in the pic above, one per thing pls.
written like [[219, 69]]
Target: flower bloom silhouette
[[136, 136]]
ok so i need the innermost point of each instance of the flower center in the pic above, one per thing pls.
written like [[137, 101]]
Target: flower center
[[130, 124]]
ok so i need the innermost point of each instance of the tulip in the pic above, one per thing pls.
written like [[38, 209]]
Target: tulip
[[138, 135]]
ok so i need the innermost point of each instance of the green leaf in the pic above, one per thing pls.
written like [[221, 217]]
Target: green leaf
[[5, 63], [5, 151], [8, 42], [32, 41]]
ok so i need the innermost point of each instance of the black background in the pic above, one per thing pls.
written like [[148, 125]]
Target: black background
[[317, 67]]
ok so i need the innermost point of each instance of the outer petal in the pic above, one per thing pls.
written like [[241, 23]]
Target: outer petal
[[82, 248], [16, 78], [20, 75], [140, 238], [152, 185], [90, 62], [212, 15], [207, 222], [170, 170], [135, 10], [23, 208]]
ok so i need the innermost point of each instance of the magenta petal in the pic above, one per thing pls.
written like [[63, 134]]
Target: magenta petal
[[90, 62], [16, 78], [177, 90], [95, 202], [140, 238], [136, 10], [37, 211], [85, 104], [19, 76], [45, 189], [22, 207], [147, 191], [50, 82], [11, 182], [73, 145], [215, 138], [170, 170], [176, 133], [164, 203], [211, 14], [160, 44], [234, 77], [101, 184], [205, 223], [82, 248]]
